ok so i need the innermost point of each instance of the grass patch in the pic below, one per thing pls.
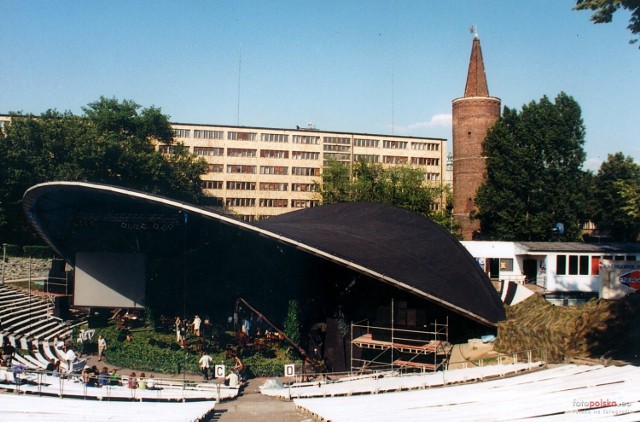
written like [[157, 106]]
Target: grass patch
[[157, 352]]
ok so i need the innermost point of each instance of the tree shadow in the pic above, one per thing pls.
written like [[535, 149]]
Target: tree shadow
[[615, 330]]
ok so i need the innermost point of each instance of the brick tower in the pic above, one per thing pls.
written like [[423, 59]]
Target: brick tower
[[473, 115]]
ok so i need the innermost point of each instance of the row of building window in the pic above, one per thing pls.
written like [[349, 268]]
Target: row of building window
[[208, 151], [241, 152], [264, 186], [425, 146], [274, 137], [394, 144], [284, 171], [335, 156], [245, 152], [420, 161], [172, 149], [369, 158], [270, 203], [425, 161], [575, 264], [303, 139], [433, 177], [241, 136], [336, 148], [336, 140], [204, 134], [585, 264], [277, 170], [305, 155], [394, 159]]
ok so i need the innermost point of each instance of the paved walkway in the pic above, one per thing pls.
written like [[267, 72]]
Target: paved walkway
[[249, 406], [253, 406]]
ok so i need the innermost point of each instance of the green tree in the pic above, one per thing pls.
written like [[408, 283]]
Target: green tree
[[336, 183], [603, 11], [293, 325], [403, 186], [534, 176], [630, 192], [615, 192], [113, 142]]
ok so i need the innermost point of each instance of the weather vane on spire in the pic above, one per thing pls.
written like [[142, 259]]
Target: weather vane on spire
[[474, 31]]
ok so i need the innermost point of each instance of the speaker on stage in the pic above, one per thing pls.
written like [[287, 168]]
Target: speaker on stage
[[61, 307]]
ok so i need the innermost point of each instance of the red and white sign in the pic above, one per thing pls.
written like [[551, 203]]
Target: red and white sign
[[631, 279]]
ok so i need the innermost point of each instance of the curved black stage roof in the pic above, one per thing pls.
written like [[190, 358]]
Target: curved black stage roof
[[383, 242]]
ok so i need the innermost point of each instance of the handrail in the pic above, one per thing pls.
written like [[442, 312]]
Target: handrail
[[72, 385], [523, 356]]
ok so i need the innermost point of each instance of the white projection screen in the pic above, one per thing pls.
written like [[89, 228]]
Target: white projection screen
[[109, 280]]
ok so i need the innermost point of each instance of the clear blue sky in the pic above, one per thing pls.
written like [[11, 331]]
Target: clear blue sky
[[365, 66]]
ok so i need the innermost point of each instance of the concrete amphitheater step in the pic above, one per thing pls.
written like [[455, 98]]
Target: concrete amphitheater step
[[253, 406]]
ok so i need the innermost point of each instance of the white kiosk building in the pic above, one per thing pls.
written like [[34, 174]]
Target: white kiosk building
[[565, 272]]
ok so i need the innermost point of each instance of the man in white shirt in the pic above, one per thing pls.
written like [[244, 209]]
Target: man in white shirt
[[196, 325], [205, 363], [70, 357], [102, 346], [234, 381]]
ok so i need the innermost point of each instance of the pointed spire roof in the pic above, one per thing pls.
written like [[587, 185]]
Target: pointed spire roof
[[476, 78]]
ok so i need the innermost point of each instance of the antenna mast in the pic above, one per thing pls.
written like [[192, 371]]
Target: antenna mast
[[393, 90], [239, 78]]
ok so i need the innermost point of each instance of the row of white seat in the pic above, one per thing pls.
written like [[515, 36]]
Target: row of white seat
[[28, 323], [568, 392]]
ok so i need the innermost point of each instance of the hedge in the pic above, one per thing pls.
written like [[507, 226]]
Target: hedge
[[37, 251], [34, 251], [13, 250]]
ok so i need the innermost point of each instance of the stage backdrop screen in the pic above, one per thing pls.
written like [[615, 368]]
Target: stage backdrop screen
[[113, 280]]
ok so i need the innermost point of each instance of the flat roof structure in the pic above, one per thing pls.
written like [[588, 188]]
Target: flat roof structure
[[384, 243]]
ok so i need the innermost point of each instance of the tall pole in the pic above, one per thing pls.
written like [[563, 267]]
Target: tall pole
[[392, 330], [29, 295], [184, 299], [4, 258], [239, 80]]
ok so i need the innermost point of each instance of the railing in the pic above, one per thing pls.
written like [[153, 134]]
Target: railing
[[38, 290], [526, 356], [530, 356], [74, 385], [349, 383], [518, 279]]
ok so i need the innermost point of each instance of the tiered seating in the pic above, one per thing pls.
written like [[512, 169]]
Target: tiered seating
[[29, 325]]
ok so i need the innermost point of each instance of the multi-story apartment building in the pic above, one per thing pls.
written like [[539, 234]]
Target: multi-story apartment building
[[258, 172]]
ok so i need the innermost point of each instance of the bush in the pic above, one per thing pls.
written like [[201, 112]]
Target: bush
[[258, 366], [292, 324]]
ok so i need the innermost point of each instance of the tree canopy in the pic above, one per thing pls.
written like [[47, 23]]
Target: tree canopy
[[403, 186], [534, 173], [113, 143], [616, 198], [603, 11]]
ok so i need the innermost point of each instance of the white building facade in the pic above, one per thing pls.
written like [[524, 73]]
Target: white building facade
[[566, 272]]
